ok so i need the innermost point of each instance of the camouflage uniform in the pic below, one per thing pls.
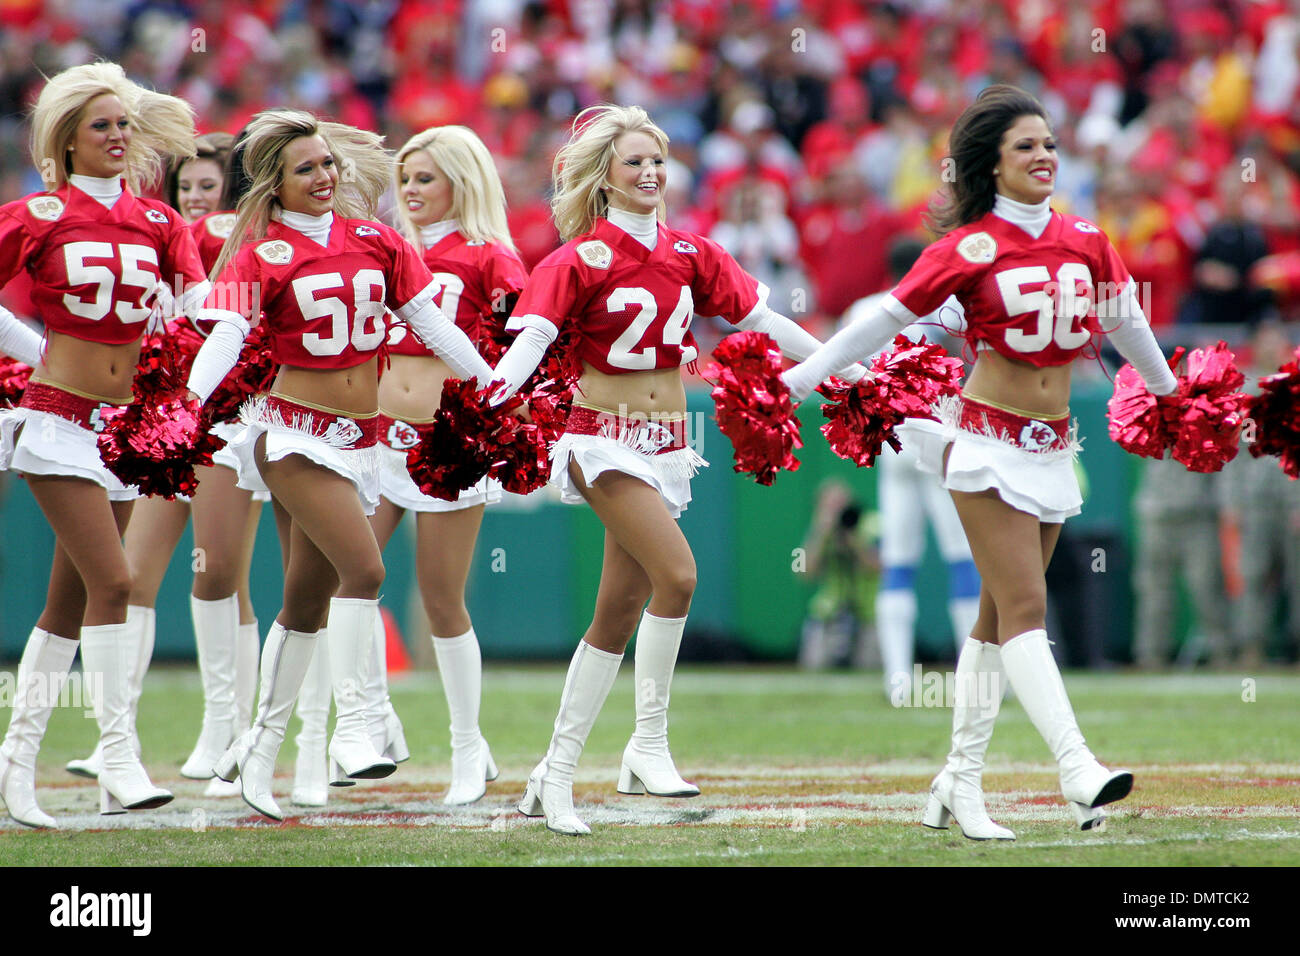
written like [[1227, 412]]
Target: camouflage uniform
[[1266, 504], [1178, 535]]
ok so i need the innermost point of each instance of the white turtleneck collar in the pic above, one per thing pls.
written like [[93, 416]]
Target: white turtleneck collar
[[1031, 218], [316, 228], [641, 226], [435, 232], [105, 190]]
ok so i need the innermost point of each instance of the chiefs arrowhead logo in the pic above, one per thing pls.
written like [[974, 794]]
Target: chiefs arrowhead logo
[[367, 231], [48, 208], [681, 245], [156, 215], [978, 247], [277, 252], [402, 436], [596, 254], [1086, 227], [1036, 436]]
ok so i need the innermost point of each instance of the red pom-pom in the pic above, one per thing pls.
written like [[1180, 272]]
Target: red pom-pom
[[469, 438], [1210, 410], [13, 381], [1199, 421], [252, 375], [158, 440], [455, 451], [524, 461], [905, 383], [754, 409], [157, 443], [1275, 414], [1138, 422]]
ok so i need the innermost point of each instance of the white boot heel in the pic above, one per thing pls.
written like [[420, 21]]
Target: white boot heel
[[227, 766], [552, 799], [109, 805], [652, 773], [628, 782], [395, 748], [531, 803], [1089, 818], [964, 803], [337, 777], [936, 815]]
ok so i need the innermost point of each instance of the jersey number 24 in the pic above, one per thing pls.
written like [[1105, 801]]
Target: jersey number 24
[[623, 354]]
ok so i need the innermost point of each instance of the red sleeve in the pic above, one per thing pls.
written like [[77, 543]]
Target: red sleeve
[[1112, 275], [181, 256], [721, 286], [505, 275], [938, 274], [551, 294], [231, 291], [16, 246], [409, 275]]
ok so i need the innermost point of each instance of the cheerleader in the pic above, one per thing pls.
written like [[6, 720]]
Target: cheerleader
[[322, 282], [96, 254], [225, 525], [1029, 279], [195, 185], [452, 209], [630, 285]]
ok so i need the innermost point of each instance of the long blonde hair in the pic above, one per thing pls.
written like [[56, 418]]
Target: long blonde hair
[[162, 126], [362, 162], [582, 165], [478, 201]]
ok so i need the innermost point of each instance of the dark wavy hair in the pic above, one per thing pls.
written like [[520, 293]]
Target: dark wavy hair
[[974, 148], [213, 146]]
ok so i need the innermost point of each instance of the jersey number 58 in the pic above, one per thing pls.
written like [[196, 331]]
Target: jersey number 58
[[1056, 319], [367, 326]]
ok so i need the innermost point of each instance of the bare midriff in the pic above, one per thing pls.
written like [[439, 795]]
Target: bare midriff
[[348, 391], [1037, 392], [654, 394], [411, 388]]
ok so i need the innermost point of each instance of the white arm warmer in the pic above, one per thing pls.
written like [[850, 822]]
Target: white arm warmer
[[522, 358], [217, 357], [793, 340], [443, 336], [864, 337], [1133, 339], [19, 340]]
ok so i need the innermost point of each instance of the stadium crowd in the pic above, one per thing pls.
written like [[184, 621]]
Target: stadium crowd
[[798, 128], [805, 135]]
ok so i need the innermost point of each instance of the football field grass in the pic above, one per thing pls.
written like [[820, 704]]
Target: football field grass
[[796, 769]]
